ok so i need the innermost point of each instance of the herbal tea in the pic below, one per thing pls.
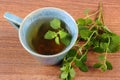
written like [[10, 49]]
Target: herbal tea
[[42, 45]]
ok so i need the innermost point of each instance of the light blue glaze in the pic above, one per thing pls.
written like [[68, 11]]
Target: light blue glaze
[[14, 20], [47, 12]]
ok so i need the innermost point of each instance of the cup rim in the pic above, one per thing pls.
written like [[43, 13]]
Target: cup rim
[[54, 55]]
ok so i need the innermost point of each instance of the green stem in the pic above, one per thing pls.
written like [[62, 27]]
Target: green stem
[[101, 17], [92, 14], [84, 54], [92, 26], [82, 47], [88, 39], [100, 13], [106, 52], [73, 58], [101, 10]]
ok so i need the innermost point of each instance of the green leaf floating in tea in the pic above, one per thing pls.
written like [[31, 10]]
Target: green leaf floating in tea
[[57, 40], [50, 35], [59, 33], [55, 24]]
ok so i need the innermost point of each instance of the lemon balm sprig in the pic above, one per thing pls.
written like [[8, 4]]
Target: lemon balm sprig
[[96, 37], [60, 35]]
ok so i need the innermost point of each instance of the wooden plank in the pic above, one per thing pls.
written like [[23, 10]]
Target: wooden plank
[[17, 64]]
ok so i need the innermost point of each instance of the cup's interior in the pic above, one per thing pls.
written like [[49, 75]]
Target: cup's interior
[[33, 21], [35, 32]]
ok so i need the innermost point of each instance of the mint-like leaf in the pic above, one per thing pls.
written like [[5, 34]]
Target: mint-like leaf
[[82, 66], [88, 21], [50, 35], [85, 34], [57, 40], [114, 45], [81, 21], [84, 58], [115, 39], [63, 68], [66, 40], [99, 23], [55, 23], [104, 45], [71, 53], [81, 28], [109, 65], [97, 65], [63, 34], [95, 43], [98, 49], [104, 37], [72, 72], [64, 75]]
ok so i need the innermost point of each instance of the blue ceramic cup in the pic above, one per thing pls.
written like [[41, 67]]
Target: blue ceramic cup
[[38, 17]]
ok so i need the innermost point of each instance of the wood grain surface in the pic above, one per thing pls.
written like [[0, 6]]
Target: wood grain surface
[[17, 64]]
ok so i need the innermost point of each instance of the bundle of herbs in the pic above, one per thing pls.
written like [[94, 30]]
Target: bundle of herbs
[[94, 35]]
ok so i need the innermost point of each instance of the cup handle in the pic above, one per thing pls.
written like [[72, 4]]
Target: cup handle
[[13, 19]]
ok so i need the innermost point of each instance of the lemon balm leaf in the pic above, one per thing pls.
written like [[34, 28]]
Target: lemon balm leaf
[[88, 21], [109, 65], [82, 66], [115, 39], [114, 45], [66, 40], [72, 72], [55, 23], [50, 35], [98, 49], [84, 58], [81, 21], [85, 34], [97, 65], [57, 40], [62, 34], [71, 53], [98, 22], [64, 75]]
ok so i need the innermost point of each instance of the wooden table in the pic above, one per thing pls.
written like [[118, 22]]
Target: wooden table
[[17, 64]]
